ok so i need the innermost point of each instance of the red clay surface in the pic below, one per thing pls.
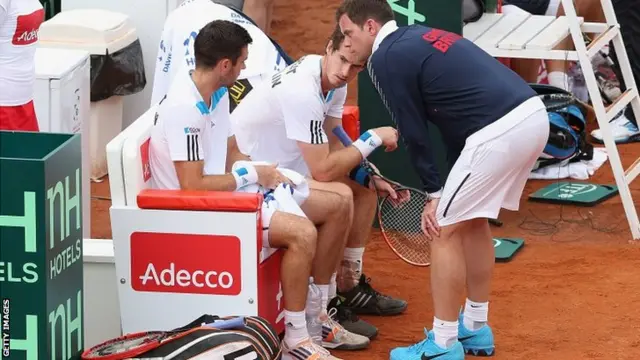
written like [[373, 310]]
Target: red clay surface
[[569, 294]]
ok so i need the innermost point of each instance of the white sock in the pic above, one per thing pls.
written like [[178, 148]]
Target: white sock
[[324, 289], [559, 79], [475, 314], [333, 286], [295, 327], [355, 255], [445, 332]]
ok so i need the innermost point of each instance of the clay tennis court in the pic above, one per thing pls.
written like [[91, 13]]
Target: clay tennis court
[[571, 293]]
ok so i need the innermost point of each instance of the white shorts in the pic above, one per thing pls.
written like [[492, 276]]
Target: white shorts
[[285, 200], [494, 165]]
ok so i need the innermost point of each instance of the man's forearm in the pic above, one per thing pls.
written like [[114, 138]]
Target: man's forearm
[[226, 182], [338, 163]]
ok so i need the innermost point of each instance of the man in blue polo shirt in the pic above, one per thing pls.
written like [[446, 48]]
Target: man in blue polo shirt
[[494, 128]]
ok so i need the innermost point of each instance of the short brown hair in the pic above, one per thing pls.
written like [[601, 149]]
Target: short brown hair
[[336, 39], [218, 40], [359, 11]]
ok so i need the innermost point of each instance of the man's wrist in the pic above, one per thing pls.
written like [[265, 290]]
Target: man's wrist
[[245, 175], [436, 194], [367, 143]]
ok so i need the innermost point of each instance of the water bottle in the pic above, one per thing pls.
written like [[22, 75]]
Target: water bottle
[[313, 310]]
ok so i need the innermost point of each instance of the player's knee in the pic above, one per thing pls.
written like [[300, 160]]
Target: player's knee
[[304, 240], [346, 197]]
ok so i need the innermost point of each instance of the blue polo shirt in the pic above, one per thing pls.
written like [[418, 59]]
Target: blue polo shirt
[[423, 73]]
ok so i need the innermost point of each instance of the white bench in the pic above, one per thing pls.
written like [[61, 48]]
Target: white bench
[[181, 254], [522, 35]]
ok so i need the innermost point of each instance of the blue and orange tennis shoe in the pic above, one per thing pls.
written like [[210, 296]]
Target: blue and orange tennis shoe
[[476, 342], [427, 349]]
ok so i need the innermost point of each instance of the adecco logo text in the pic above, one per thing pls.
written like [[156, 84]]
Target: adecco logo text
[[185, 263]]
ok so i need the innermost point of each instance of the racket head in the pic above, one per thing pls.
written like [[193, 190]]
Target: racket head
[[400, 224], [126, 346]]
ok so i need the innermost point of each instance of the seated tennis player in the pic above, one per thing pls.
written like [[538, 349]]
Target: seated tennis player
[[494, 127], [290, 122], [192, 148], [176, 48]]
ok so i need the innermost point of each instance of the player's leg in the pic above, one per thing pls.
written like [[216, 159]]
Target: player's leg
[[331, 212], [474, 333], [353, 285], [481, 182], [329, 207], [297, 235]]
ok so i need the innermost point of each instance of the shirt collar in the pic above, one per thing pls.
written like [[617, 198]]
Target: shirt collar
[[385, 31]]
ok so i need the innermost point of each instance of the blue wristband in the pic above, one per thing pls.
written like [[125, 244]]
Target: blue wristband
[[360, 175]]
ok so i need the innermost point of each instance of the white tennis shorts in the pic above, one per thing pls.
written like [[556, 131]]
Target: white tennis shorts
[[494, 165]]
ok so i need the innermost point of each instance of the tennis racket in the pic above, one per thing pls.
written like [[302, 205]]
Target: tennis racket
[[400, 218], [557, 101], [132, 345]]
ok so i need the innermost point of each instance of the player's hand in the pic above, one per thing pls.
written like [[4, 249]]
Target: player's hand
[[389, 137], [429, 223], [269, 177], [383, 187]]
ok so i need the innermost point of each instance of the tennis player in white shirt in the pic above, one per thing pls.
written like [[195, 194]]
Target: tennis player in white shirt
[[19, 24], [290, 121], [176, 48], [192, 148]]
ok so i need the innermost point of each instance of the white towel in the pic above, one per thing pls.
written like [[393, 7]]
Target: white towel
[[580, 170], [284, 197]]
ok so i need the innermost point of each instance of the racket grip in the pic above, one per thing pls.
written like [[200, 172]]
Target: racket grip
[[228, 324], [342, 135]]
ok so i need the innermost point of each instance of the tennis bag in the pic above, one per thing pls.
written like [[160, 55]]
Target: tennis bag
[[253, 339], [567, 133]]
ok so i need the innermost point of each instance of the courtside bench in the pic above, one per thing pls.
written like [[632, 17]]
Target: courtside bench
[[522, 35]]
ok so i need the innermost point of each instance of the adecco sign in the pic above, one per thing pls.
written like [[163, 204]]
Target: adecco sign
[[185, 263]]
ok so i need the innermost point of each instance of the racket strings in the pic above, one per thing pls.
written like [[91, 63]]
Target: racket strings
[[400, 223]]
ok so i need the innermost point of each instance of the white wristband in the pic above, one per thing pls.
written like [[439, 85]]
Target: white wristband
[[367, 143], [437, 194], [245, 175]]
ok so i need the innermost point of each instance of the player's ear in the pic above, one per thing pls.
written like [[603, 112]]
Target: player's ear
[[369, 26], [225, 65], [329, 46]]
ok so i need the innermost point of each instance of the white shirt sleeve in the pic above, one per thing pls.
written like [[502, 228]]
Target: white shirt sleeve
[[184, 128], [161, 76], [337, 102], [303, 115], [4, 10]]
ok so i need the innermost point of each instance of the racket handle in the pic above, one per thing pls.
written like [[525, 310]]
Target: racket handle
[[342, 135], [228, 324]]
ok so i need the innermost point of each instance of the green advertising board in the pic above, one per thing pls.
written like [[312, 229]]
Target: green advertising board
[[442, 14], [41, 246]]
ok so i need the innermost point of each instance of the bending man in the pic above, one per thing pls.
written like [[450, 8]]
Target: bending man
[[494, 127]]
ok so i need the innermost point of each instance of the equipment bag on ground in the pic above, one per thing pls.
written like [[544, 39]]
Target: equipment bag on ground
[[206, 338]]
